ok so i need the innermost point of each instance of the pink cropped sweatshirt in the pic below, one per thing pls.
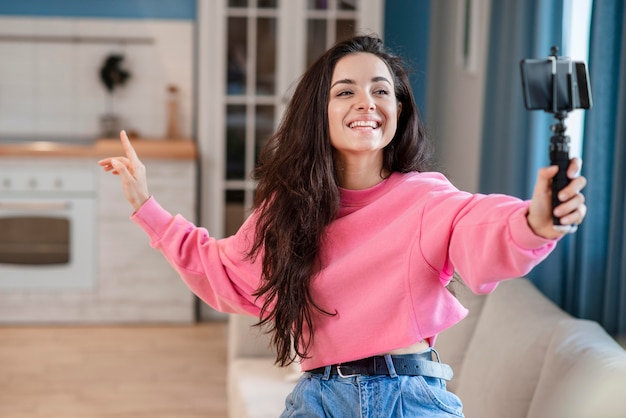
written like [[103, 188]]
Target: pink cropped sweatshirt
[[385, 262]]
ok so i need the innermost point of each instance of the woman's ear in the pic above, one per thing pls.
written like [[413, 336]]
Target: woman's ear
[[399, 110]]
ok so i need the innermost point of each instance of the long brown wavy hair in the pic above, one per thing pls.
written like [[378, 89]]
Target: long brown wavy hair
[[298, 193]]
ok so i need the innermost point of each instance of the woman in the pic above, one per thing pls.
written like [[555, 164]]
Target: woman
[[352, 243]]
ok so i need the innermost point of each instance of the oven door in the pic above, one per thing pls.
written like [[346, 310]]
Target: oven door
[[47, 243]]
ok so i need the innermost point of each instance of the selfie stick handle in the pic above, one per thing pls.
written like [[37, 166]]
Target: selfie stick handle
[[559, 142], [559, 156]]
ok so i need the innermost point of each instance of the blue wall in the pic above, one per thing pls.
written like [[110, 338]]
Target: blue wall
[[118, 9], [407, 27]]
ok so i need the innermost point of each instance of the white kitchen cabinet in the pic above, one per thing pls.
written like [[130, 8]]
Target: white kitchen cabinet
[[130, 282]]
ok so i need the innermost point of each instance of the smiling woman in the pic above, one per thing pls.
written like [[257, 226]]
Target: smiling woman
[[352, 280]]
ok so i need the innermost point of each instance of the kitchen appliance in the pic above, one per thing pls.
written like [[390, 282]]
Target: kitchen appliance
[[47, 226]]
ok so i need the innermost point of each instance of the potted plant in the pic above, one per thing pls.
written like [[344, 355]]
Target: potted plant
[[112, 76]]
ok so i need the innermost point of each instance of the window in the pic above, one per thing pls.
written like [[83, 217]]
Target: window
[[576, 24]]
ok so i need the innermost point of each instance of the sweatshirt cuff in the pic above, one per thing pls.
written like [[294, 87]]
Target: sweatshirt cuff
[[523, 235], [152, 218]]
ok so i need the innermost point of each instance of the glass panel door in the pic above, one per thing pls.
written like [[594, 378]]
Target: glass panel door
[[252, 45], [253, 104], [329, 21], [259, 48]]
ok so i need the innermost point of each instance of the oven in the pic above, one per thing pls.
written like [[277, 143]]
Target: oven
[[47, 227]]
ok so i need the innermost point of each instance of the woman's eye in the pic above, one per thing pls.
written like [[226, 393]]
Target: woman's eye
[[382, 91], [344, 93]]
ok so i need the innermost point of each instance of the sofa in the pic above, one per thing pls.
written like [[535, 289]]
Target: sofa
[[515, 355]]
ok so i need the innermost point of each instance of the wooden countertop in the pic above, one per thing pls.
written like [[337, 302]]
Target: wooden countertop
[[171, 149]]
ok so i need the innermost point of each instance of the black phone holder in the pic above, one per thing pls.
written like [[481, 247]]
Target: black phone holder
[[556, 85]]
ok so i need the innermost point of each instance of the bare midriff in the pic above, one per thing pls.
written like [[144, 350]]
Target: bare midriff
[[412, 349]]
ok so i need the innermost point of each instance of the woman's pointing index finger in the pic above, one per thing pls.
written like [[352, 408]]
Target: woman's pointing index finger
[[128, 148]]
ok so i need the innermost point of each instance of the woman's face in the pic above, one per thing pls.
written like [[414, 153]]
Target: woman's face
[[362, 108]]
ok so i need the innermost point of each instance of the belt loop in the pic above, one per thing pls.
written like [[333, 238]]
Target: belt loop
[[436, 354], [390, 366], [326, 372]]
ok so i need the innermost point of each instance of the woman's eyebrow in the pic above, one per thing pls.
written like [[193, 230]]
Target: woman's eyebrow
[[381, 78], [349, 81], [343, 81]]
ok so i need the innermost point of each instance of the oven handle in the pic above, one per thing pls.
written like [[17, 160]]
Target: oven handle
[[35, 206]]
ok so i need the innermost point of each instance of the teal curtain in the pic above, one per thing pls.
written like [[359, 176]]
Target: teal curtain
[[515, 141], [586, 274], [598, 291], [407, 28]]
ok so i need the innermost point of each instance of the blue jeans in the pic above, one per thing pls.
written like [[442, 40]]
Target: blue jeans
[[393, 396]]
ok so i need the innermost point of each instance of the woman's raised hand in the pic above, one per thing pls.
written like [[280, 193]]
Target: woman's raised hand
[[572, 209], [132, 172]]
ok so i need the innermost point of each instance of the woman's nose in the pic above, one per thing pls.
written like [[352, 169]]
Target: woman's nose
[[366, 102]]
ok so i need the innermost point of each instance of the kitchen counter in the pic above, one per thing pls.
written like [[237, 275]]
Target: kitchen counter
[[171, 149]]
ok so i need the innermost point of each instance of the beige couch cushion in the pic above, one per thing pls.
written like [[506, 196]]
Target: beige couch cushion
[[452, 343], [584, 373], [504, 359], [257, 388], [246, 340]]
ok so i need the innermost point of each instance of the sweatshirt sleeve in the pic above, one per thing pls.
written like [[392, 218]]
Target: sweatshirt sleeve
[[217, 271], [486, 237]]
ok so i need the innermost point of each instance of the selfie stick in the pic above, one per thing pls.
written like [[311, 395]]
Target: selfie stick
[[559, 142]]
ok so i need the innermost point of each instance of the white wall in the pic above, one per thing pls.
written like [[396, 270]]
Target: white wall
[[52, 89], [456, 89]]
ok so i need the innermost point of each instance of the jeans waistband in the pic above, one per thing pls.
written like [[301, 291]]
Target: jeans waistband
[[420, 364]]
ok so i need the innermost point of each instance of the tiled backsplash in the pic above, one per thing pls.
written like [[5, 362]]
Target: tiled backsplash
[[50, 84]]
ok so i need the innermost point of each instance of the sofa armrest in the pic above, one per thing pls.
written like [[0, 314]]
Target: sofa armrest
[[256, 387], [245, 340], [584, 374]]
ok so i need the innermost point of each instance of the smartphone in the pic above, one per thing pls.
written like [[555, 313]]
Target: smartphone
[[555, 84]]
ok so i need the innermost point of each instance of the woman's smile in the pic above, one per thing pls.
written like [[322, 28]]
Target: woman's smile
[[369, 124]]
